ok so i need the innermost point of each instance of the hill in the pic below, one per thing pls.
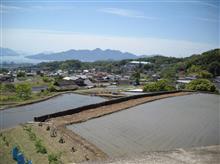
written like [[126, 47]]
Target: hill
[[85, 55], [8, 52]]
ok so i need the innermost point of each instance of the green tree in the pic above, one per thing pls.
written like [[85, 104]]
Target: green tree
[[201, 85], [194, 69], [214, 68], [21, 74], [136, 76], [161, 85], [23, 90], [169, 73], [47, 79], [204, 74]]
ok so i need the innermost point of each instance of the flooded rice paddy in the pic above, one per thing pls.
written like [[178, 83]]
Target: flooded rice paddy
[[13, 116], [178, 122]]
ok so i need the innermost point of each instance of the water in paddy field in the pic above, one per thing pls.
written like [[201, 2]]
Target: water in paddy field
[[178, 122], [14, 116]]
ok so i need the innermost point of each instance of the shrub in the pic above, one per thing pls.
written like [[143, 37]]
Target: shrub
[[21, 74], [51, 88], [31, 134], [9, 87], [54, 158], [23, 90], [201, 85], [39, 147], [161, 85], [47, 79], [205, 74]]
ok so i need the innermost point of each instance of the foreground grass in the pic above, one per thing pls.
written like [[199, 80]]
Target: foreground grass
[[19, 137], [37, 145]]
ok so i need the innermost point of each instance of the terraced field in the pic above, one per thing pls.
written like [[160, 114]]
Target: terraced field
[[177, 122]]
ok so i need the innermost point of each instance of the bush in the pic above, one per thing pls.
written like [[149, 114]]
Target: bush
[[21, 74], [9, 87], [54, 158], [47, 79], [51, 88], [161, 85], [23, 90], [201, 85], [205, 75], [31, 134], [39, 147]]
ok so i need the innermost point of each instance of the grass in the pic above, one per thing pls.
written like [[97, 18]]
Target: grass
[[36, 144], [19, 137], [54, 158]]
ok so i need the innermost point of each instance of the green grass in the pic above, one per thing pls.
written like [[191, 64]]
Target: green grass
[[19, 137]]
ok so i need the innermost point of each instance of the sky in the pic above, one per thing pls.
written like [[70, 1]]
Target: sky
[[167, 27]]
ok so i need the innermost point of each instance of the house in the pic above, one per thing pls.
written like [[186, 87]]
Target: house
[[217, 79], [78, 79], [6, 78], [155, 77], [89, 84], [186, 80], [124, 82], [132, 65], [80, 82], [66, 85]]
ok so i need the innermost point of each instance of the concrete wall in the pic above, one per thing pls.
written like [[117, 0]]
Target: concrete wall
[[87, 107]]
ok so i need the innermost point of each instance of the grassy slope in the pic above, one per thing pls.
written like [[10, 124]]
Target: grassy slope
[[19, 136]]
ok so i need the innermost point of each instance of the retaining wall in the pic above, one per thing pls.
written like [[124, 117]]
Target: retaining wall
[[87, 107]]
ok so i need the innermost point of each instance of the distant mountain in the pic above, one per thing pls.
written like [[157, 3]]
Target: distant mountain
[[8, 52], [85, 55]]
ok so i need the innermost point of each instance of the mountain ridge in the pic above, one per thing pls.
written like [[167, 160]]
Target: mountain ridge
[[85, 55], [8, 52]]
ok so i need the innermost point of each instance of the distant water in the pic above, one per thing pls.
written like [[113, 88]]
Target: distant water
[[178, 122], [13, 116], [19, 59]]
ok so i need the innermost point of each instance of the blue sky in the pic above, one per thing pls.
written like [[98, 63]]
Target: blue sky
[[172, 28]]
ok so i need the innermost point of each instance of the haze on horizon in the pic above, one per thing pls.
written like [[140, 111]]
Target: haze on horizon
[[171, 28]]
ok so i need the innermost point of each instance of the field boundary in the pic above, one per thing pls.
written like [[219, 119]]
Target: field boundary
[[96, 105]]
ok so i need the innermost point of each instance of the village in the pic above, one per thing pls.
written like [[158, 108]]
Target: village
[[63, 80]]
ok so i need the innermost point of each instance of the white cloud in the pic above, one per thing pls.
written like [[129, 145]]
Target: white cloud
[[125, 13], [206, 19], [6, 8], [34, 41], [10, 8]]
